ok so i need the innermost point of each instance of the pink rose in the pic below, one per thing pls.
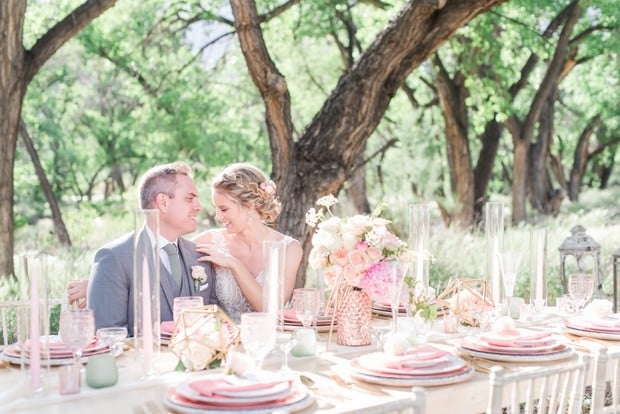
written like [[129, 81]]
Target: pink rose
[[339, 257], [374, 254], [357, 257], [353, 273], [331, 274]]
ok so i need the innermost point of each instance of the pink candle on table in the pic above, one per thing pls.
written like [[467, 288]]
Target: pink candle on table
[[35, 345], [147, 329]]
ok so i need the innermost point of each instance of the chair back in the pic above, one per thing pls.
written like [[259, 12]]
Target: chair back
[[9, 319], [558, 388], [606, 381]]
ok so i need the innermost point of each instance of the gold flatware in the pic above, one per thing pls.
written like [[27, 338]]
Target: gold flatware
[[352, 383]]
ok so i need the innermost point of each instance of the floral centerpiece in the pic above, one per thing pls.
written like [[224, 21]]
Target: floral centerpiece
[[202, 337], [353, 255]]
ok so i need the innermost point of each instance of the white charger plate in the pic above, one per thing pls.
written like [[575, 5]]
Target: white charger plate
[[417, 381], [554, 356], [592, 334], [299, 400]]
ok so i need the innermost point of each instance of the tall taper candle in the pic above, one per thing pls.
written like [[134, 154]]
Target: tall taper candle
[[35, 346], [147, 328]]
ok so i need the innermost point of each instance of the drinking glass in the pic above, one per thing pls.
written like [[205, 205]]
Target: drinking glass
[[185, 302], [307, 305], [77, 328], [258, 335], [113, 336], [580, 288], [509, 267], [286, 341]]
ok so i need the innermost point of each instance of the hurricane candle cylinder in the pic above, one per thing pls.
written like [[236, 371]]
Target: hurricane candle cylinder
[[34, 319], [538, 285], [419, 223], [274, 261], [494, 233], [146, 297]]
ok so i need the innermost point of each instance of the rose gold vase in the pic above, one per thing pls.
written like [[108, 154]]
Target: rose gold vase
[[354, 315]]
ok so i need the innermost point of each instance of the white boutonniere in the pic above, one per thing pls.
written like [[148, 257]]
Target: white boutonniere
[[199, 275]]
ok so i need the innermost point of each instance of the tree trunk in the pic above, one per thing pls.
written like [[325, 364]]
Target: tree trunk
[[356, 191], [318, 163], [17, 68], [12, 91], [484, 166], [526, 129], [452, 94], [581, 158], [519, 184], [59, 224], [543, 197]]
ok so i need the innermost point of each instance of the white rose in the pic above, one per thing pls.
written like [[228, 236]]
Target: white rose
[[597, 309], [238, 363], [198, 356], [198, 273]]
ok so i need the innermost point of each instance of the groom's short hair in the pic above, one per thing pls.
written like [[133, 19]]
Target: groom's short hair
[[160, 179]]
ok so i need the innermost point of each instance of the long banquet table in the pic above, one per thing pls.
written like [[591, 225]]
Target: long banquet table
[[133, 394]]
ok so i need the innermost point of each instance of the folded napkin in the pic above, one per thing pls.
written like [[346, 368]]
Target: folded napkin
[[517, 337], [224, 386], [167, 327], [608, 322], [54, 343], [414, 356]]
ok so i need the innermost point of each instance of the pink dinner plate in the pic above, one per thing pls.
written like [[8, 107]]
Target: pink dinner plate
[[297, 394], [477, 344], [370, 365]]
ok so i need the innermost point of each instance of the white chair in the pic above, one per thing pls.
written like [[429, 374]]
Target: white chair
[[550, 389], [606, 381], [8, 321]]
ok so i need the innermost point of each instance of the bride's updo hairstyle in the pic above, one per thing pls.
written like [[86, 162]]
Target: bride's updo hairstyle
[[249, 186]]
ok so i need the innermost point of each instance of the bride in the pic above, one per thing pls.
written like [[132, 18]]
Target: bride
[[246, 204]]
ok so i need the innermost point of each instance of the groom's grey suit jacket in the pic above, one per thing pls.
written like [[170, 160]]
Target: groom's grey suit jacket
[[110, 290]]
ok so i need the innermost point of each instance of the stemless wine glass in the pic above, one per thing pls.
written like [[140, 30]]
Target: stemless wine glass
[[258, 335], [509, 267], [307, 305], [76, 328], [113, 336]]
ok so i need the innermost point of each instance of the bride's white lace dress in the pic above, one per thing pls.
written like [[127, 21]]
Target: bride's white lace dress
[[228, 293]]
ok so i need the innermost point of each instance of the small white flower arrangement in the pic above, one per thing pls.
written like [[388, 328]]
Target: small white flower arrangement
[[199, 276], [598, 309]]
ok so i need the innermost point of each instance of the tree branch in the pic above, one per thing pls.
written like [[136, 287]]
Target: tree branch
[[64, 30]]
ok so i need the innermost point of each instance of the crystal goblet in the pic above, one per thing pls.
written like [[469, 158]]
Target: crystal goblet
[[77, 328], [258, 335], [113, 336]]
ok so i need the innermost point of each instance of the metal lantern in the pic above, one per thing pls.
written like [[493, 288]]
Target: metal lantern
[[616, 268], [580, 245]]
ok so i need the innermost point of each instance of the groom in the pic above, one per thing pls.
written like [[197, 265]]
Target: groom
[[169, 189]]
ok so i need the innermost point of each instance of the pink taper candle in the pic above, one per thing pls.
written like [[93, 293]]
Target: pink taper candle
[[147, 329], [35, 348]]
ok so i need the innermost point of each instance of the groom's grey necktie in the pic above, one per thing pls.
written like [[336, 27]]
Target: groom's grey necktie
[[175, 262]]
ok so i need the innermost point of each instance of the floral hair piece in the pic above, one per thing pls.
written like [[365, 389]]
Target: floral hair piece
[[269, 187]]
